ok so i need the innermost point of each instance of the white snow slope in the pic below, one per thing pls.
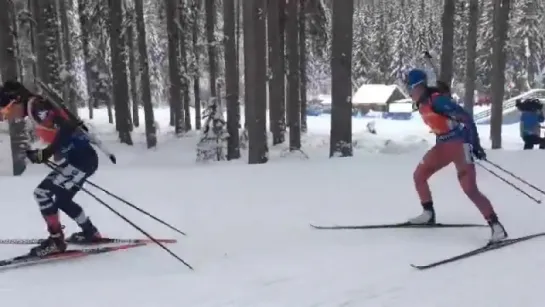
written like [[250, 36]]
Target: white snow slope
[[249, 237]]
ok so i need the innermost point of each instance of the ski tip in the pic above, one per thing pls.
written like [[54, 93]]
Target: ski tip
[[418, 267], [320, 227], [112, 158], [141, 241], [168, 240]]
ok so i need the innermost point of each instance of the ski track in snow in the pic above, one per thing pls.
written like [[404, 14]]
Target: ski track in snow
[[249, 237]]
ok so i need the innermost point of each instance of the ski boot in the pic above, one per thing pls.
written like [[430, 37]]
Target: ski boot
[[498, 231], [53, 245], [88, 235], [427, 217]]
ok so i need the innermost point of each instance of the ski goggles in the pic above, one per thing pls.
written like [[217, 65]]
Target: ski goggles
[[412, 86]]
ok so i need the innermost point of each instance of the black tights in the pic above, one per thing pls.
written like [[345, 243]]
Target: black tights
[[530, 140]]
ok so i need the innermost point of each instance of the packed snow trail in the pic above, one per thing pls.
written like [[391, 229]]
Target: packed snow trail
[[251, 245]]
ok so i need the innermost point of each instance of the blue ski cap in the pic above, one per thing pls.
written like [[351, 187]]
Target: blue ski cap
[[416, 77]]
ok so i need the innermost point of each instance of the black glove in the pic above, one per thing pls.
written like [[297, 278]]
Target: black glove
[[478, 152], [36, 156]]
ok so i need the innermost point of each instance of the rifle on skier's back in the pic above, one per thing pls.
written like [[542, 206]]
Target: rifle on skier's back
[[57, 101]]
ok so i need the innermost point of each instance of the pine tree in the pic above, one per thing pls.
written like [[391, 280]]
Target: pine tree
[[212, 144]]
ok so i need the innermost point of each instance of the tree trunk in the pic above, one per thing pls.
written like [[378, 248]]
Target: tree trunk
[[103, 87], [238, 29], [276, 79], [292, 45], [173, 68], [532, 62], [211, 40], [255, 80], [341, 76], [501, 22], [282, 33], [91, 73], [69, 80], [151, 136], [303, 63], [20, 8], [185, 78], [9, 71], [447, 47], [247, 40], [26, 49], [471, 56], [133, 69], [49, 70], [231, 80], [196, 56], [119, 72], [95, 66], [33, 7]]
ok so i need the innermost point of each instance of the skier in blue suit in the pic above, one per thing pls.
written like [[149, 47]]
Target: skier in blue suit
[[531, 117]]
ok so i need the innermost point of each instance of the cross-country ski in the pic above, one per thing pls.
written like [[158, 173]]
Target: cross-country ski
[[398, 225], [75, 242], [478, 251], [31, 260]]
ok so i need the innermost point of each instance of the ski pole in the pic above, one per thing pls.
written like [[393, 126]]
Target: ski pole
[[516, 177], [56, 169], [126, 202], [509, 183]]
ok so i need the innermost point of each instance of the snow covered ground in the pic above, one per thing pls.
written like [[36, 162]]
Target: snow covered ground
[[249, 237]]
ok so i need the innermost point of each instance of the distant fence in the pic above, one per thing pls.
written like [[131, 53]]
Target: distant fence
[[383, 115], [397, 115]]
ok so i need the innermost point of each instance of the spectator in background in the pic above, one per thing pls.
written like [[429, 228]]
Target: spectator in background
[[531, 117]]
